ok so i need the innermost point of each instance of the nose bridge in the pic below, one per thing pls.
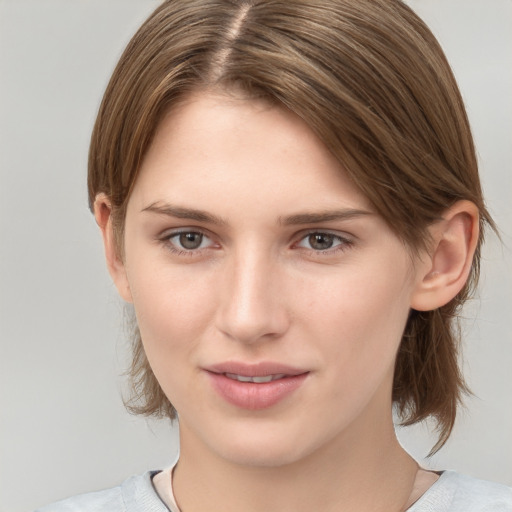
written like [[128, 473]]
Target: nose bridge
[[252, 307]]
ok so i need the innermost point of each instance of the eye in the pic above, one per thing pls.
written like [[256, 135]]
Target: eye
[[190, 240], [320, 241], [186, 241]]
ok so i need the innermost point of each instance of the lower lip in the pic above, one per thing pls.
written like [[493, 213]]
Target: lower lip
[[252, 395]]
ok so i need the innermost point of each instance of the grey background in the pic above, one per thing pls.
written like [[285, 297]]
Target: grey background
[[63, 428]]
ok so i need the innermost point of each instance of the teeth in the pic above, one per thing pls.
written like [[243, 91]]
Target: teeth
[[241, 378], [267, 378], [257, 379]]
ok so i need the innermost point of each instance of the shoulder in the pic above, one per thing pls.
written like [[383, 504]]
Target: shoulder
[[454, 492], [135, 494]]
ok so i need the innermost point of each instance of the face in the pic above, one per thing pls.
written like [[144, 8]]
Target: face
[[270, 297]]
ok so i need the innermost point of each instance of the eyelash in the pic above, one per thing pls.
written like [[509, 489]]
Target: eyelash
[[343, 245], [169, 245]]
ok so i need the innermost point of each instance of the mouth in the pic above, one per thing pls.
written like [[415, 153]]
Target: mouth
[[255, 386], [265, 371], [258, 379]]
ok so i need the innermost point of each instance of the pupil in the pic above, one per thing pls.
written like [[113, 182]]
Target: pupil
[[321, 241], [191, 240]]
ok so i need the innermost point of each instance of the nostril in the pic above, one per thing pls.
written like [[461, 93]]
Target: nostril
[[251, 306], [251, 324]]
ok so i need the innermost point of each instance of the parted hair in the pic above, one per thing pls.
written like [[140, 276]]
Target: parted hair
[[371, 81]]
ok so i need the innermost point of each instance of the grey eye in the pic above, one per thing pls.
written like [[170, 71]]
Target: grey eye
[[190, 240], [321, 241]]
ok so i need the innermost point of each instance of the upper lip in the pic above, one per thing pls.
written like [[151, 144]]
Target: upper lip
[[261, 369]]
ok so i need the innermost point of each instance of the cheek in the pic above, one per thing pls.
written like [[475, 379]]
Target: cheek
[[173, 309], [358, 321]]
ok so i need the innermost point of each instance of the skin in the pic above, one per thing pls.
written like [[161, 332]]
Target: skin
[[259, 287]]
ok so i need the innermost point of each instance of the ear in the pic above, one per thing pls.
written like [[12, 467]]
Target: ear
[[445, 269], [115, 264]]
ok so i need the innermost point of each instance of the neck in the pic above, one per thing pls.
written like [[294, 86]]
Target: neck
[[364, 470]]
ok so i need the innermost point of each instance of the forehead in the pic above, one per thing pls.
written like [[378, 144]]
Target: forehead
[[215, 145]]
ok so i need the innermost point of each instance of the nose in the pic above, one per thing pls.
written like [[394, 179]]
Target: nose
[[253, 306]]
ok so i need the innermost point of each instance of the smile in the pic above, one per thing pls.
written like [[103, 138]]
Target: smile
[[255, 386], [257, 379]]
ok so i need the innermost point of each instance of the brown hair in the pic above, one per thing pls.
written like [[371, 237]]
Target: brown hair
[[372, 82]]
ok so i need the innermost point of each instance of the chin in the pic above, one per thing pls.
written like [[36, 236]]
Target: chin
[[265, 446], [262, 456]]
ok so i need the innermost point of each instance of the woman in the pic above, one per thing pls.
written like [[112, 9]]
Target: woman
[[288, 194]]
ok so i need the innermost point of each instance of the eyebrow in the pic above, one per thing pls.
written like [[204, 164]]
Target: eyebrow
[[319, 217], [291, 220], [184, 213]]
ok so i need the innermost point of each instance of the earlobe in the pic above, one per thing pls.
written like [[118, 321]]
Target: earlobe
[[115, 264], [445, 270]]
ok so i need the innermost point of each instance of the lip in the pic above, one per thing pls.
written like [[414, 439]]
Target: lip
[[262, 369], [252, 395]]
